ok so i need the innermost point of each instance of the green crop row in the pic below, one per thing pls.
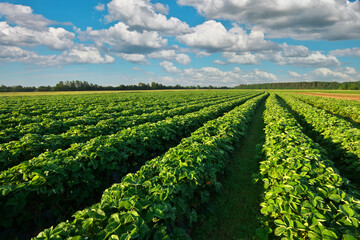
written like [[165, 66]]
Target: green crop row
[[305, 197], [98, 109], [31, 145], [333, 129], [70, 178], [53, 105], [47, 125], [167, 191], [342, 107]]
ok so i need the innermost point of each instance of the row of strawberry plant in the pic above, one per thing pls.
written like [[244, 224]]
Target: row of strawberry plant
[[342, 107], [73, 177], [46, 125], [305, 197], [38, 105], [330, 129], [99, 109], [167, 191], [49, 126], [31, 145]]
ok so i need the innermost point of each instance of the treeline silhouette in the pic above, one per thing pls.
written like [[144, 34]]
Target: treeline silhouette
[[86, 86], [303, 85]]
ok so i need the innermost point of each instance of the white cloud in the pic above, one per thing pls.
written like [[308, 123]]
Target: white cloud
[[294, 74], [242, 58], [213, 76], [202, 54], [140, 14], [23, 16], [78, 55], [355, 52], [347, 74], [83, 54], [53, 38], [350, 71], [134, 58], [214, 37], [325, 74], [285, 55], [16, 54], [306, 19], [210, 35], [169, 67], [295, 51], [123, 40], [100, 7], [314, 59], [172, 56], [161, 8]]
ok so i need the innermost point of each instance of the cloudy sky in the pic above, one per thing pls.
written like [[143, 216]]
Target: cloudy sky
[[187, 42]]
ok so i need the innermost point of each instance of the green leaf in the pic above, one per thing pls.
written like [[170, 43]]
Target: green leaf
[[313, 235], [330, 235], [114, 237], [347, 210], [279, 222], [348, 237], [335, 197], [87, 223], [280, 231]]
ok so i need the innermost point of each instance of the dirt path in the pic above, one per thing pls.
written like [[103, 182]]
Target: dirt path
[[237, 207], [354, 97]]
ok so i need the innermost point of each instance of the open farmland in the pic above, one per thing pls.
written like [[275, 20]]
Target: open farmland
[[175, 164]]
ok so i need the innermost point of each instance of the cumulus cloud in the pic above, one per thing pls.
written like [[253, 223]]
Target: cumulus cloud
[[310, 59], [285, 55], [134, 58], [214, 76], [355, 52], [325, 74], [347, 74], [23, 16], [80, 54], [141, 15], [172, 56], [214, 37], [306, 19], [83, 54], [16, 54], [53, 38], [294, 74], [123, 40], [169, 67], [100, 7], [161, 8], [241, 58]]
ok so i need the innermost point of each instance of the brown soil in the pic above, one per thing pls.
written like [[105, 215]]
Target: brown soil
[[354, 97]]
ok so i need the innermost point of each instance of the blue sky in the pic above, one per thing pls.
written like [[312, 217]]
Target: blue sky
[[186, 42]]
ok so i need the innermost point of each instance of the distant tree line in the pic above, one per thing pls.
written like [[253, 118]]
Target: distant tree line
[[303, 85], [85, 86]]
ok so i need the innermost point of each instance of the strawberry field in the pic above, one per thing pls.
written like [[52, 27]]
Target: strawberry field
[[154, 165]]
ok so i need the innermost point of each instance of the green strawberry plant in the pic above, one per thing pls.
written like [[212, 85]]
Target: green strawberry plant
[[167, 191], [305, 197]]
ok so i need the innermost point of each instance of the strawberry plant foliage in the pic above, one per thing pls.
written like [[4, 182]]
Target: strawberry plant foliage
[[305, 197], [342, 107], [32, 145], [334, 130], [72, 177], [150, 203]]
